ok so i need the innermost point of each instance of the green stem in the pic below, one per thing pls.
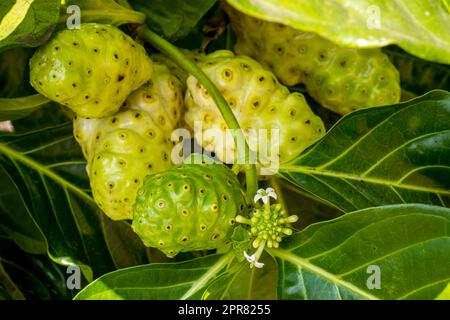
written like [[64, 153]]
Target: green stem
[[189, 66]]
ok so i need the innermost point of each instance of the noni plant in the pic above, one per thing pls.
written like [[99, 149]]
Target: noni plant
[[340, 79], [191, 207], [123, 148], [224, 150], [91, 70], [258, 101]]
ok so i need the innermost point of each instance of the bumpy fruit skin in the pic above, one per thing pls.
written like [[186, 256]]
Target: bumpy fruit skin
[[122, 149], [258, 101], [190, 207], [91, 70], [340, 79]]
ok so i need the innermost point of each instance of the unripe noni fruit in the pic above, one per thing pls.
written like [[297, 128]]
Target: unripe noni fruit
[[91, 70]]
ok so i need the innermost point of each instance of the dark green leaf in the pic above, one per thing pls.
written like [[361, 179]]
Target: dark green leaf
[[177, 280], [419, 27], [14, 73], [46, 169], [126, 247], [408, 244], [417, 75], [385, 155], [16, 108], [25, 23], [173, 19]]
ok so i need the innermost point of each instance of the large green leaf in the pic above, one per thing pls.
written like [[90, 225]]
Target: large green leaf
[[27, 23], [385, 155], [173, 19], [408, 244], [418, 26], [45, 200], [177, 280]]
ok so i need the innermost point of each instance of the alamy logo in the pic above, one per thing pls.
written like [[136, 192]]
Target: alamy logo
[[74, 19], [74, 279], [374, 280]]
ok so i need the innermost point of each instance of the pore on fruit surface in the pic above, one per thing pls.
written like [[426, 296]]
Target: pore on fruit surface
[[187, 208], [340, 79], [91, 70], [122, 149], [258, 101]]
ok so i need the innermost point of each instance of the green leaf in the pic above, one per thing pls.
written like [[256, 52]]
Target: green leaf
[[173, 19], [384, 155], [14, 73], [409, 245], [417, 75], [246, 283], [46, 169], [445, 294], [419, 27], [27, 23], [126, 247], [103, 11], [16, 108], [164, 281]]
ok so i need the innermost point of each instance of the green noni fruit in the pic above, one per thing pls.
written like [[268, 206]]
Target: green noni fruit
[[187, 208], [123, 148], [258, 101], [91, 70], [340, 79]]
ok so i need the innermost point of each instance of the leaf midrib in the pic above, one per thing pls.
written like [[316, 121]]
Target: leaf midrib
[[13, 154], [292, 258], [340, 175]]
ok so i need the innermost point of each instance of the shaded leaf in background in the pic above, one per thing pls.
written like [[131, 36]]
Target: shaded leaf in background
[[419, 27], [417, 75], [384, 155], [125, 246], [16, 108], [173, 19], [14, 73], [410, 244], [162, 281], [25, 23]]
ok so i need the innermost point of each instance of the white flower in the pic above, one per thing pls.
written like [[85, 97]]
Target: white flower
[[264, 195], [252, 260]]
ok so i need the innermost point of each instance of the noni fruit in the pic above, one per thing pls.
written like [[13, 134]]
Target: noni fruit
[[187, 208], [340, 79], [277, 124], [91, 70], [122, 149]]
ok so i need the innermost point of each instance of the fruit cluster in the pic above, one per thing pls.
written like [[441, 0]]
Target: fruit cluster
[[127, 105]]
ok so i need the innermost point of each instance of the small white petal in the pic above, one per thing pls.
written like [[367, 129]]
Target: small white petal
[[260, 191], [258, 264], [270, 192], [265, 199], [257, 197], [251, 258]]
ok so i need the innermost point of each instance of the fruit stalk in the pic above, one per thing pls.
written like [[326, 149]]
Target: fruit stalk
[[171, 51]]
